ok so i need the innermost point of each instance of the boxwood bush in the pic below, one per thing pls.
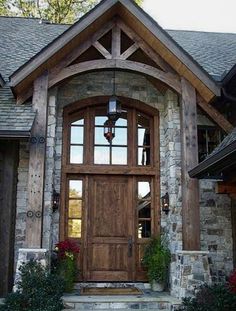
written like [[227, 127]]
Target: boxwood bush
[[38, 290]]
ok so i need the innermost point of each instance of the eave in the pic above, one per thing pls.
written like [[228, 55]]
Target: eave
[[136, 19], [218, 162], [6, 134]]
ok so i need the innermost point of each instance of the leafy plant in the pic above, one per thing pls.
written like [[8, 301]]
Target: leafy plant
[[67, 252], [38, 290], [232, 282], [157, 259], [216, 297]]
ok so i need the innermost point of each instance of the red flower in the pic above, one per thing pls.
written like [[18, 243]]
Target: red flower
[[67, 247], [232, 281]]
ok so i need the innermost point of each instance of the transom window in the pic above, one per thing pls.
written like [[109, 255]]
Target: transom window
[[97, 150]]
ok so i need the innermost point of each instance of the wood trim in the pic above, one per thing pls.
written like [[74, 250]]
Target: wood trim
[[215, 115], [116, 42], [133, 48], [102, 50], [190, 186], [37, 163], [144, 47], [168, 78], [106, 170]]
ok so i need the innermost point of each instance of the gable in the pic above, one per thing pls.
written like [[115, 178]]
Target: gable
[[137, 20]]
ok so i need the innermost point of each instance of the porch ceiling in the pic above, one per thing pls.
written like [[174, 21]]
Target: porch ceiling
[[133, 16]]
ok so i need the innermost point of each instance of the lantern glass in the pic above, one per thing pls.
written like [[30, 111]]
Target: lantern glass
[[114, 108], [109, 130]]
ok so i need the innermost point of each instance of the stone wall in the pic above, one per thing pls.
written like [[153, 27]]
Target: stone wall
[[216, 229]]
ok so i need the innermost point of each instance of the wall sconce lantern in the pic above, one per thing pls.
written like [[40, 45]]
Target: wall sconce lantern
[[165, 203], [55, 201]]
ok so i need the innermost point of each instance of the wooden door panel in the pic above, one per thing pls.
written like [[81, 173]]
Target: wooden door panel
[[110, 228]]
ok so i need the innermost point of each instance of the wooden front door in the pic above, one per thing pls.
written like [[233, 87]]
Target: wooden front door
[[110, 229], [110, 190]]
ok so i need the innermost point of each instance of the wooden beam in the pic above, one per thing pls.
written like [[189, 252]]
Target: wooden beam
[[168, 78], [224, 187], [72, 56], [102, 50], [215, 115], [144, 47], [190, 186], [133, 48], [116, 42], [36, 164], [8, 179]]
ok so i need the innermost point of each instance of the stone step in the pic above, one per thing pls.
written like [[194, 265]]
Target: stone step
[[160, 301]]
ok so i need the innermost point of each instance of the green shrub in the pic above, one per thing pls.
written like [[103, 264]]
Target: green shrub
[[217, 297], [38, 290], [157, 259]]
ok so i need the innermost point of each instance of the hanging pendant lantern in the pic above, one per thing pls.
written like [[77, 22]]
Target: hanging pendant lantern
[[109, 130], [114, 108], [114, 105]]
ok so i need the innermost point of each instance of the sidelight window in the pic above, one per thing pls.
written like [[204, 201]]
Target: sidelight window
[[144, 209], [75, 208]]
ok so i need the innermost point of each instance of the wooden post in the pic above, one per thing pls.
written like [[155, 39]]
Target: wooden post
[[190, 186], [233, 219], [36, 164], [8, 176]]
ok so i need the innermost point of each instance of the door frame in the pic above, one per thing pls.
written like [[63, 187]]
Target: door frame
[[85, 170]]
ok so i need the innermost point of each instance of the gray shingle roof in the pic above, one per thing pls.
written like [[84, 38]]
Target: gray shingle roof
[[15, 118], [22, 38], [215, 52]]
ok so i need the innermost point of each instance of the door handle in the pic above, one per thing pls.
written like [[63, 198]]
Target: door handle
[[130, 246]]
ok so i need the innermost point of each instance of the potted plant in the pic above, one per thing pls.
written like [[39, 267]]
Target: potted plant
[[67, 252], [157, 259]]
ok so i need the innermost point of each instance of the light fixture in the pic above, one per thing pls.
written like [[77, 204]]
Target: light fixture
[[114, 108], [55, 201], [114, 105], [113, 113], [109, 130], [165, 203]]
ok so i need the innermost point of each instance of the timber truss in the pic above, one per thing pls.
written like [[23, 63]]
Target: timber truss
[[117, 46]]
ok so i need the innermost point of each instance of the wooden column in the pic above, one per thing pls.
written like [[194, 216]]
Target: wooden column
[[8, 177], [36, 164], [233, 219], [190, 186]]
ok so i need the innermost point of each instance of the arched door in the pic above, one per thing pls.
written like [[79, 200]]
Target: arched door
[[110, 190]]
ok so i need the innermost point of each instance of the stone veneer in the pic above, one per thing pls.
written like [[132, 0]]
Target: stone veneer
[[215, 209], [192, 270]]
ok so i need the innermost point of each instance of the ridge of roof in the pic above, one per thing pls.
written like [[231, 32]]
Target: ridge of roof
[[202, 31]]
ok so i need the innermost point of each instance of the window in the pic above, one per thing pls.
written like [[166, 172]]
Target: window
[[208, 139], [96, 150], [75, 203]]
